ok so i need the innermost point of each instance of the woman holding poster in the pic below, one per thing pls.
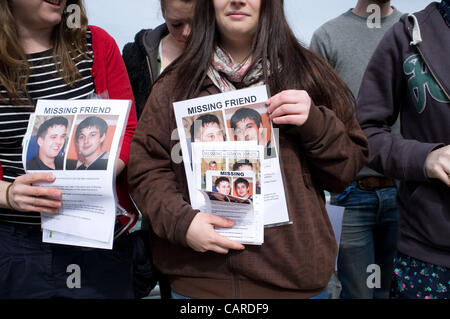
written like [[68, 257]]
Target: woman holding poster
[[48, 51], [238, 44]]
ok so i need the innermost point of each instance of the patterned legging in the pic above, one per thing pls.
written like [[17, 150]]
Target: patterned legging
[[416, 279], [444, 9]]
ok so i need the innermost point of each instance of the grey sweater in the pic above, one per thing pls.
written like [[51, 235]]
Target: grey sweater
[[347, 43]]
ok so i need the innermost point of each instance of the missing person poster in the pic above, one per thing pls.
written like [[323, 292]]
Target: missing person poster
[[236, 116], [230, 174], [79, 142], [245, 208]]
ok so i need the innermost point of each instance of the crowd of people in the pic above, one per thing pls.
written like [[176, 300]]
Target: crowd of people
[[363, 113]]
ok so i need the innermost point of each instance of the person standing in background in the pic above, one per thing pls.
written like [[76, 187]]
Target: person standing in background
[[409, 77], [147, 57], [370, 222], [154, 49]]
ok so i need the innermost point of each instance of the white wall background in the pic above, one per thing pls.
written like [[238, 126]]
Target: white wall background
[[124, 18]]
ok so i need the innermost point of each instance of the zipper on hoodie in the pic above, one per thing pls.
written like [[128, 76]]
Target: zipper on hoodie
[[429, 68], [233, 275], [432, 73]]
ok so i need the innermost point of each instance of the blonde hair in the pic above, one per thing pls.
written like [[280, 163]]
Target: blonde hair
[[68, 43]]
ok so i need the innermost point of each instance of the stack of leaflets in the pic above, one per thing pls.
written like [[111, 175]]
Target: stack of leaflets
[[231, 161]]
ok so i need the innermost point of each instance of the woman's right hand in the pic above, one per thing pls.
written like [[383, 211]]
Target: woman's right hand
[[437, 164], [23, 196], [202, 237]]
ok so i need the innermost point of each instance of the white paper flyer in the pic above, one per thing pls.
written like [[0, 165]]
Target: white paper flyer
[[232, 169], [248, 227], [79, 142]]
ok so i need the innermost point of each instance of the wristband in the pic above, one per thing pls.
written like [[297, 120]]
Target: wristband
[[7, 196]]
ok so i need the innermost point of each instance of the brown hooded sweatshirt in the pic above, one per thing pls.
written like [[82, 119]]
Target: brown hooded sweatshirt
[[296, 260]]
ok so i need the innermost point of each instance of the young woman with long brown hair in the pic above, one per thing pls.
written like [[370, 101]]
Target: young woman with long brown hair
[[42, 56], [236, 44]]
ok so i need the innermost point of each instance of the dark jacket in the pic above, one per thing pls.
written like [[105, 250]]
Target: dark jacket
[[141, 60], [296, 260], [409, 76]]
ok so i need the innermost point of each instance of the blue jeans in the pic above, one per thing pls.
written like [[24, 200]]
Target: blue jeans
[[322, 295], [176, 295], [369, 236]]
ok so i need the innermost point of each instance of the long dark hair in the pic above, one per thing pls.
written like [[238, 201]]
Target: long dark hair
[[292, 66]]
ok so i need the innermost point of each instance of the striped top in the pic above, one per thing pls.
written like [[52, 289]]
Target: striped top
[[44, 83]]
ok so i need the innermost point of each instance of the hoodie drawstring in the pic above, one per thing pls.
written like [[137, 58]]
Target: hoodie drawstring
[[416, 34]]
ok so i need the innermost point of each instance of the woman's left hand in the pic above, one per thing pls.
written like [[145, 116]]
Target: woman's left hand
[[289, 107]]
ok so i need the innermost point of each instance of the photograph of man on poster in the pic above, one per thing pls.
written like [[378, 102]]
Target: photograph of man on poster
[[242, 188], [90, 135], [50, 139], [217, 164], [212, 166], [247, 165], [207, 128], [247, 124], [221, 189], [223, 185]]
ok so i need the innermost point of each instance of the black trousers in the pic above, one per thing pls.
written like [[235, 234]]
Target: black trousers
[[32, 269]]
